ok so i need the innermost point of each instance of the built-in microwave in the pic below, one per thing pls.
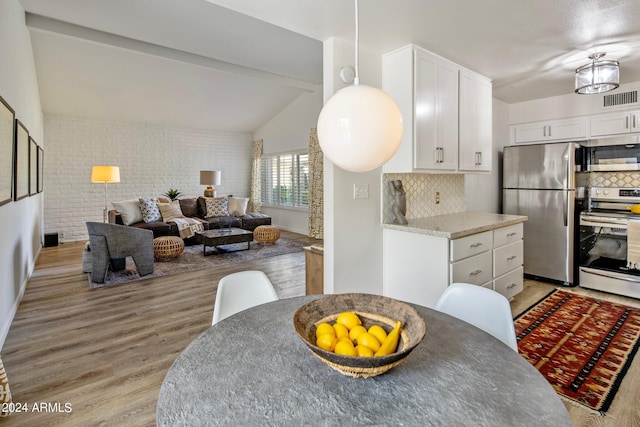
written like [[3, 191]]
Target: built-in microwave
[[614, 154]]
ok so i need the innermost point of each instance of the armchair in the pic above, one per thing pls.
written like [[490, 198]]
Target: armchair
[[112, 241]]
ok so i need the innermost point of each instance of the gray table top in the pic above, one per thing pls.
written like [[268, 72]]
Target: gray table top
[[252, 369]]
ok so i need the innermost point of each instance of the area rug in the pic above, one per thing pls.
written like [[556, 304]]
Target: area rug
[[192, 259], [583, 346]]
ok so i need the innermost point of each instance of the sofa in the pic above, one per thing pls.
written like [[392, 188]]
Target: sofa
[[234, 215]]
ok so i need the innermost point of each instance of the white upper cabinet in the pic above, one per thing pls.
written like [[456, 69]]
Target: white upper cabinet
[[551, 130], [475, 122], [615, 123], [446, 113]]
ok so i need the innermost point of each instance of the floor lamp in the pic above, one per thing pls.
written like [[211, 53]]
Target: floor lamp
[[105, 174]]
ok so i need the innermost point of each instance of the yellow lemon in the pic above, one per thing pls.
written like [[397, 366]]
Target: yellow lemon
[[348, 319], [346, 338], [378, 332], [368, 340], [362, 351], [345, 348], [324, 328], [356, 331], [326, 342], [340, 330]]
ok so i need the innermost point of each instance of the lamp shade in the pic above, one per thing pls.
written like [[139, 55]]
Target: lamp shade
[[360, 128], [105, 174], [210, 177], [599, 75]]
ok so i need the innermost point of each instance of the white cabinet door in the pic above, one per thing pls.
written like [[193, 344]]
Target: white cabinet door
[[475, 123], [436, 113], [615, 123], [475, 270], [555, 130]]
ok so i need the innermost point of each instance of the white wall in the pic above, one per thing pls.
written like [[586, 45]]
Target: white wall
[[21, 221], [151, 158], [564, 106], [352, 231], [286, 132], [482, 191]]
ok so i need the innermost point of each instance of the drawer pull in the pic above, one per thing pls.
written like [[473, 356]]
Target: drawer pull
[[476, 245], [475, 273], [511, 286], [512, 257], [511, 234]]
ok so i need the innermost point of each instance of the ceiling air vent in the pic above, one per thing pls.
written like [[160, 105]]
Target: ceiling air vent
[[621, 99]]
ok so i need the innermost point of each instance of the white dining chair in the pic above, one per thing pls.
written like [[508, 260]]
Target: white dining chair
[[483, 308], [239, 291]]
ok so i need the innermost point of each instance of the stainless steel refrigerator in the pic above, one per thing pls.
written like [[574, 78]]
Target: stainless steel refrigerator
[[539, 181]]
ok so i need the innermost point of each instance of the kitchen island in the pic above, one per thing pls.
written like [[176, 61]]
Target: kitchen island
[[428, 254]]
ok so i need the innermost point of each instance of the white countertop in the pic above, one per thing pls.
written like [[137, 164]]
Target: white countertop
[[456, 225]]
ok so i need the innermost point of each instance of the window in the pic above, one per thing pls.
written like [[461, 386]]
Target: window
[[284, 179]]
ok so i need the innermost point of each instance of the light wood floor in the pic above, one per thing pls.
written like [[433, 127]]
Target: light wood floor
[[106, 351]]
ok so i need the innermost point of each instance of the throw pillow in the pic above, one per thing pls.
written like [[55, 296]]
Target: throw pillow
[[218, 206], [150, 211], [189, 207], [169, 211], [238, 206], [129, 211]]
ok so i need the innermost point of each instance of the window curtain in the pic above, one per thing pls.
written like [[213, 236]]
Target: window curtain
[[316, 194], [5, 394], [255, 204]]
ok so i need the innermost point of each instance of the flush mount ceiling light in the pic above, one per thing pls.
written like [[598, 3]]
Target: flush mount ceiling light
[[360, 127], [599, 75]]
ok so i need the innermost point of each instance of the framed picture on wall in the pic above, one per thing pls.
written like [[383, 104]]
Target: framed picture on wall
[[7, 132], [40, 168], [21, 162], [33, 167]]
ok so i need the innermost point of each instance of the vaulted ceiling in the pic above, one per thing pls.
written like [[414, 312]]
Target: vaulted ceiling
[[231, 65]]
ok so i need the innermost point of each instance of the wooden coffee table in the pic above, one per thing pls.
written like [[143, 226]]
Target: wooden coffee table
[[220, 237]]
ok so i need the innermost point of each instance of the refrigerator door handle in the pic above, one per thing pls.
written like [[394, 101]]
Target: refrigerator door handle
[[565, 208]]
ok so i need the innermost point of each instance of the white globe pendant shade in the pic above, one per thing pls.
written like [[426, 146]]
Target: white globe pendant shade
[[360, 128]]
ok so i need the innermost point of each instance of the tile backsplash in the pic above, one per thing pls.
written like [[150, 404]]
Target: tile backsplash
[[615, 179], [421, 191]]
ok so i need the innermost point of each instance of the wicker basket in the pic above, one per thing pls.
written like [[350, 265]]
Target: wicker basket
[[166, 248], [372, 309], [266, 234]]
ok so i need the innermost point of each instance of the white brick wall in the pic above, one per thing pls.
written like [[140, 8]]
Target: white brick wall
[[151, 158]]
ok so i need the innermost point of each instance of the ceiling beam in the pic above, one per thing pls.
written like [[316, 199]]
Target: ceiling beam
[[53, 26]]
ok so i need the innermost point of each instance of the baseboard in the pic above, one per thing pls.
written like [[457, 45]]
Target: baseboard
[[4, 329], [291, 229]]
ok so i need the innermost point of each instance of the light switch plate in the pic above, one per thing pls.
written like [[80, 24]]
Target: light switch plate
[[360, 191]]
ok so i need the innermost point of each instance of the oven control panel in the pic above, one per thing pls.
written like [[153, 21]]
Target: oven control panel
[[615, 194]]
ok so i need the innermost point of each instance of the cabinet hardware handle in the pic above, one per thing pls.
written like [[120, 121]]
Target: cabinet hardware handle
[[626, 124], [511, 286], [549, 130], [511, 234], [544, 131], [512, 257], [441, 154], [634, 121], [475, 273], [475, 245]]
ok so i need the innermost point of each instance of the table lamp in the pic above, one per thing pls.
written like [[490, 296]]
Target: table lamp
[[210, 178], [105, 174]]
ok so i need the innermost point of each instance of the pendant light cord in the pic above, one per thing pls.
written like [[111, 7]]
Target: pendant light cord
[[356, 79]]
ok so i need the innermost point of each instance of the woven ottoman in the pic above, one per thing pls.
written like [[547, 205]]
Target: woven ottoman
[[166, 248], [266, 234]]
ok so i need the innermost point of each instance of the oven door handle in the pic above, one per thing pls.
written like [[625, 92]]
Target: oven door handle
[[609, 274], [603, 222]]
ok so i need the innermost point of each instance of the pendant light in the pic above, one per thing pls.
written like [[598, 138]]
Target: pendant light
[[360, 127], [597, 76]]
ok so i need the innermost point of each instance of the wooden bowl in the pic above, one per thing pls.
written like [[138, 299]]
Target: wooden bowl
[[372, 309]]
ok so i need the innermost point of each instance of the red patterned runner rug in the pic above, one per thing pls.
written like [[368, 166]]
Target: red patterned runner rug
[[583, 346]]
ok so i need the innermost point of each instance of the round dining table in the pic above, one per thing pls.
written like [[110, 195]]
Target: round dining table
[[252, 369]]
